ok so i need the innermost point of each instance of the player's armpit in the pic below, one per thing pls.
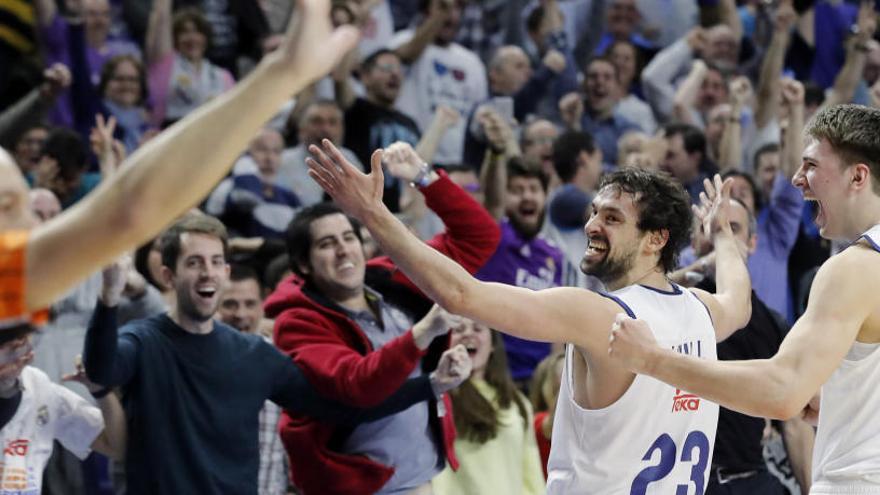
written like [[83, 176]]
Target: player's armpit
[[726, 318]]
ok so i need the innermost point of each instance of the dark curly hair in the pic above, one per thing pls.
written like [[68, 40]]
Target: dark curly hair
[[663, 204]]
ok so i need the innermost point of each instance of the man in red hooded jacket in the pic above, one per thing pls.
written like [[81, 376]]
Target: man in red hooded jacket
[[358, 329]]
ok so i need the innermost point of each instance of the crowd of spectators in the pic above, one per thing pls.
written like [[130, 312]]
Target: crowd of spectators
[[314, 366]]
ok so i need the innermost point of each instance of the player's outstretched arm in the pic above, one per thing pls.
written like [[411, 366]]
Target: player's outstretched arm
[[731, 305], [841, 300], [555, 315], [174, 171]]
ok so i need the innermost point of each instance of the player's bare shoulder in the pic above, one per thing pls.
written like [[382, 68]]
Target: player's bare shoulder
[[862, 262], [848, 281]]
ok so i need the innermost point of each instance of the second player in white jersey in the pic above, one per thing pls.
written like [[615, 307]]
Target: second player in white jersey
[[654, 439], [846, 458], [835, 344]]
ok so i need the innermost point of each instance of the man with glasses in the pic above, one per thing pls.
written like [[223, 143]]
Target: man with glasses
[[377, 122]]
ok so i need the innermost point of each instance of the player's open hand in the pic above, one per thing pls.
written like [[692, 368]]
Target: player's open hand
[[355, 192], [631, 343], [714, 208]]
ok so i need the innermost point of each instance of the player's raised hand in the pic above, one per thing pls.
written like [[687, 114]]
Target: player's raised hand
[[311, 46], [713, 210], [631, 343], [355, 192]]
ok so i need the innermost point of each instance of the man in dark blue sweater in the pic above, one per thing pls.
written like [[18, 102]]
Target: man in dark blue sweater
[[194, 387]]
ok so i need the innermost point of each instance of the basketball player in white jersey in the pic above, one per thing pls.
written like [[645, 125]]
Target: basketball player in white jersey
[[614, 432], [835, 345]]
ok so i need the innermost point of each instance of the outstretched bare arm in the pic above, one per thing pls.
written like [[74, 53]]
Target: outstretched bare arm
[[178, 168]]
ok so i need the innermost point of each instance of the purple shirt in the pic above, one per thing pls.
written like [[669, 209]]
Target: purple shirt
[[778, 226], [531, 263], [56, 41]]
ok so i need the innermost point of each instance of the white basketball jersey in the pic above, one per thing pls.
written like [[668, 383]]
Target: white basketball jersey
[[654, 439], [47, 412], [846, 457]]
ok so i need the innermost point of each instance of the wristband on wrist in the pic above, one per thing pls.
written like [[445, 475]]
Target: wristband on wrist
[[423, 178], [100, 394]]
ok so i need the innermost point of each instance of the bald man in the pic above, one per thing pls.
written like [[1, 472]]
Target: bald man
[[160, 181]]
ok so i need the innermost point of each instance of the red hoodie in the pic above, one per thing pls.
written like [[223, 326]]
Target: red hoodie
[[338, 359]]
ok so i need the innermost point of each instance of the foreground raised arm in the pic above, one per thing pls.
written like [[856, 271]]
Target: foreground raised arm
[[842, 298], [177, 169], [731, 305]]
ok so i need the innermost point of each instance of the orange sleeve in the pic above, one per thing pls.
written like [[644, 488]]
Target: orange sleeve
[[13, 279]]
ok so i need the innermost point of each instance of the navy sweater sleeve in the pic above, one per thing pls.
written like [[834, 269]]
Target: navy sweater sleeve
[[83, 96], [109, 360], [294, 393]]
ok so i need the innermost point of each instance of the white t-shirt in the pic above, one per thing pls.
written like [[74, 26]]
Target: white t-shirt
[[448, 75], [47, 412]]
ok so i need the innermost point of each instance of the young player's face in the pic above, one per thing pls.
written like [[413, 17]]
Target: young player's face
[[823, 179], [477, 339], [201, 272], [613, 238], [336, 257]]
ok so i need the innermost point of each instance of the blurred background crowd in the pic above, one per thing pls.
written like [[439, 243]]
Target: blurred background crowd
[[515, 109]]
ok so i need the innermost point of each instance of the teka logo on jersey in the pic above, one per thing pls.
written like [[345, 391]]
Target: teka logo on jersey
[[16, 448], [685, 402]]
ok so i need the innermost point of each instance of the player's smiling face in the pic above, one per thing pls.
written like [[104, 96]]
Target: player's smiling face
[[613, 236]]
